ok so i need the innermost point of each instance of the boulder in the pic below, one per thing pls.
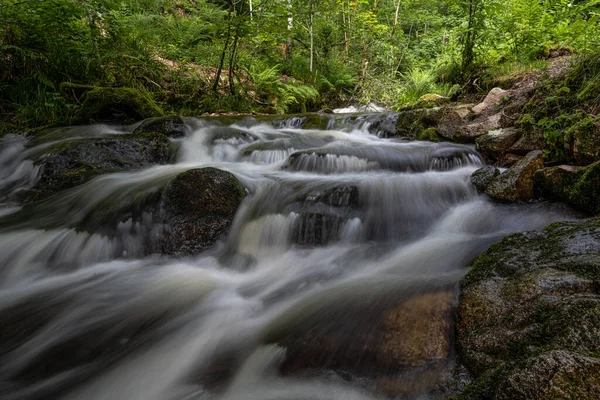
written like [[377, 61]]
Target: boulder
[[528, 320], [529, 141], [107, 104], [373, 341], [517, 182], [483, 177], [507, 160], [173, 127], [469, 132], [494, 97], [495, 143], [72, 162], [582, 141], [577, 186], [199, 206]]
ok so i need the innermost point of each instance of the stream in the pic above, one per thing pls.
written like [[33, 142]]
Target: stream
[[341, 222]]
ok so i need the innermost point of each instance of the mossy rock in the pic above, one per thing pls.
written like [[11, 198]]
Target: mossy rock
[[413, 122], [528, 301], [426, 101], [116, 104], [577, 186], [582, 140], [482, 177], [517, 182], [173, 127], [72, 162], [430, 134], [199, 207]]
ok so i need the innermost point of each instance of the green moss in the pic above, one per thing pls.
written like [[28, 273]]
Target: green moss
[[485, 386], [585, 194], [430, 134], [127, 104]]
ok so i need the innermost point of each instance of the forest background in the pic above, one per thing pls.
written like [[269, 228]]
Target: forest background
[[274, 56]]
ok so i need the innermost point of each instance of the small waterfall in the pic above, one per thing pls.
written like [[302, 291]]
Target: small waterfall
[[328, 163]]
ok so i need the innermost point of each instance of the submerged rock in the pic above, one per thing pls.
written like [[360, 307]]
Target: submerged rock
[[529, 316], [577, 186], [483, 177], [381, 343], [517, 182]]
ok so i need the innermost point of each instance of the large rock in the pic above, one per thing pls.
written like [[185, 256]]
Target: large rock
[[468, 132], [493, 99], [582, 141], [199, 206], [517, 182], [495, 143], [173, 127], [482, 177], [529, 315], [73, 162], [376, 342], [102, 104], [577, 186]]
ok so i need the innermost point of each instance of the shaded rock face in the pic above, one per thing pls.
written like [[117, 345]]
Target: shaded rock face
[[103, 104], [517, 182], [380, 343], [582, 141], [199, 206], [173, 127], [496, 143], [71, 163], [528, 322], [483, 177], [577, 186], [469, 132]]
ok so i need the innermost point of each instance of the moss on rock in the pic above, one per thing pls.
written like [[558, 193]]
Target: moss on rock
[[531, 302], [116, 104]]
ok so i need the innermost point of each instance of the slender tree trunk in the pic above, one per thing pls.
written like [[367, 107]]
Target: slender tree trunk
[[288, 49], [312, 44], [222, 59], [232, 57]]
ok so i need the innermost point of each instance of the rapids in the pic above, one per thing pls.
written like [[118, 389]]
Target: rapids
[[337, 214]]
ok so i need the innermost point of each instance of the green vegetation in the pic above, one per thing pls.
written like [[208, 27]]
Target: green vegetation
[[196, 56]]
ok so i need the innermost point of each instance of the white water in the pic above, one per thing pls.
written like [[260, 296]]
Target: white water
[[332, 217]]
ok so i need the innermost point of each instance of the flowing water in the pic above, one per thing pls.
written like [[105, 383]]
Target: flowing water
[[339, 218]]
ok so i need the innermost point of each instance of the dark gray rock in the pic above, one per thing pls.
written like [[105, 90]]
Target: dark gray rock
[[483, 177]]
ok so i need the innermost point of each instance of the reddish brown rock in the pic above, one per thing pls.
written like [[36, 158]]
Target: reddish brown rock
[[517, 182]]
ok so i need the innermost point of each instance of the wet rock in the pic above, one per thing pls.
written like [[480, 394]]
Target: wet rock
[[374, 341], [517, 182], [529, 315], [582, 141], [494, 98], [507, 160], [495, 143], [103, 104], [199, 206], [577, 186], [73, 162], [173, 127], [483, 177], [412, 122]]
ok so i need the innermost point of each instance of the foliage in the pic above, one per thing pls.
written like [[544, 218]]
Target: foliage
[[194, 56]]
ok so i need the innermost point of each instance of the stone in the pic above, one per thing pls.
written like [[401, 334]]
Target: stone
[[517, 182], [507, 160], [582, 141], [199, 207], [529, 141], [468, 133], [528, 320], [107, 104], [495, 143], [577, 186], [73, 162], [376, 340], [494, 97], [483, 177], [173, 127]]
